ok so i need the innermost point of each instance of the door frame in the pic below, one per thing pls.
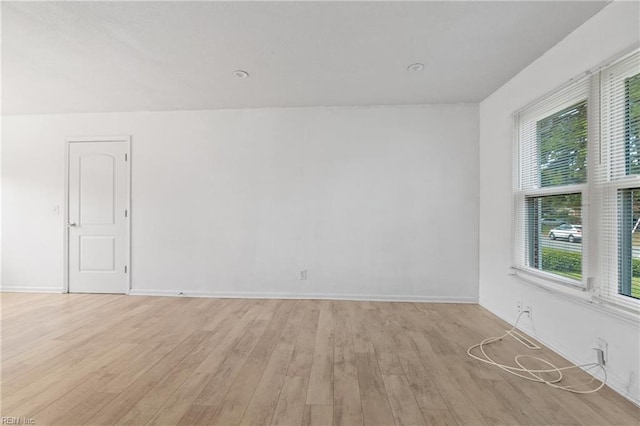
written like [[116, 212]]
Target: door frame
[[105, 139]]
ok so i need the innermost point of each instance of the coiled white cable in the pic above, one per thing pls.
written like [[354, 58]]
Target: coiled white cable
[[536, 375]]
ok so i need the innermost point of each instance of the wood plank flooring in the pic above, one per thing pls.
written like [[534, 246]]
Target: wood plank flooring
[[72, 359]]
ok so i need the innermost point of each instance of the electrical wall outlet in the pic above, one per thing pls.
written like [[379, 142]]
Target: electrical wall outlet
[[303, 274], [521, 307], [603, 347]]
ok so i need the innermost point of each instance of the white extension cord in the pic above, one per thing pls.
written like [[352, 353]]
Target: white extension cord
[[535, 375]]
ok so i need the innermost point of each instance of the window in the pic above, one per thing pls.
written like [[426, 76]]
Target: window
[[556, 249], [618, 180], [577, 186], [553, 175], [629, 243], [629, 199], [562, 144], [632, 124]]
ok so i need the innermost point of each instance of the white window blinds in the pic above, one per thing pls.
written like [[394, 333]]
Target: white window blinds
[[552, 180], [553, 140], [617, 184]]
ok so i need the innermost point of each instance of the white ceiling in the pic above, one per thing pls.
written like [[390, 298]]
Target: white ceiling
[[60, 57]]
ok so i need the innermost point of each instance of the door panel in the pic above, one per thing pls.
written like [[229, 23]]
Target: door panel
[[97, 253], [97, 189], [98, 217]]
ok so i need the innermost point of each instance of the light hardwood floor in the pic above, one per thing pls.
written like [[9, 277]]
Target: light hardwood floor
[[102, 360]]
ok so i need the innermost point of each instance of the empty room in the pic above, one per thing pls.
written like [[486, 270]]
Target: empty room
[[320, 213]]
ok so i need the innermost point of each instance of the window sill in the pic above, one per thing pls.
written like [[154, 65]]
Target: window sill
[[574, 293], [548, 280]]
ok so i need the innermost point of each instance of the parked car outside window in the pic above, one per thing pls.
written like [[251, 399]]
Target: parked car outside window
[[571, 233]]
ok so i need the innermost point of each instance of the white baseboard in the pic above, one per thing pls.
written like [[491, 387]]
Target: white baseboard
[[323, 296], [616, 383], [20, 289]]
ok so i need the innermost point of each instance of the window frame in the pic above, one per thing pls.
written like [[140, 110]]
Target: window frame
[[601, 282], [520, 260], [615, 181]]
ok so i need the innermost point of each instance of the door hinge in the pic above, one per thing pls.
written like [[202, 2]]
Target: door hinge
[[125, 269], [125, 157], [126, 213]]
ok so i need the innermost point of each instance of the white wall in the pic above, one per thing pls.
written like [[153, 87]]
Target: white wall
[[568, 326], [377, 202]]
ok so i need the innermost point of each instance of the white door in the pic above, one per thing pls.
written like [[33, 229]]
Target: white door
[[98, 216]]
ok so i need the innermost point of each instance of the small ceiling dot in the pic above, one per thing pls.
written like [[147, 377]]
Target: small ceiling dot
[[415, 67], [241, 74]]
